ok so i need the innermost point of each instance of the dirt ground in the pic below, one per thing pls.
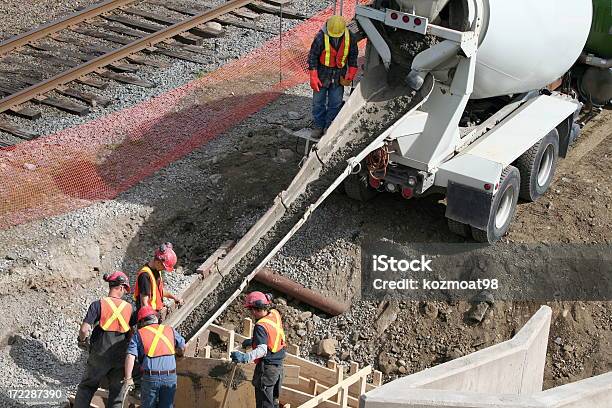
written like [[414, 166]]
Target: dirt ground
[[221, 191]]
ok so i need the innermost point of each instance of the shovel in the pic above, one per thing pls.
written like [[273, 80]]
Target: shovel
[[229, 386]]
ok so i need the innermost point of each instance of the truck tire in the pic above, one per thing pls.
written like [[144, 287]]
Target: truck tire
[[503, 207], [356, 187], [537, 166], [458, 228]]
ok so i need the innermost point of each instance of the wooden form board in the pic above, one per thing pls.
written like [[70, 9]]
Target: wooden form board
[[317, 386]]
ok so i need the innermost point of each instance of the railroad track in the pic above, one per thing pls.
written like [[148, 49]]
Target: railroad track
[[110, 41]]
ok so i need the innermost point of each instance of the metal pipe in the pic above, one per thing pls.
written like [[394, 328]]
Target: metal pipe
[[595, 61], [299, 292]]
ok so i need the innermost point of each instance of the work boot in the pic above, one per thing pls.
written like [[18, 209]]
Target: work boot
[[316, 133]]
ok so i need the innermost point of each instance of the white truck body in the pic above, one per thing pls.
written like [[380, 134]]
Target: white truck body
[[510, 49]]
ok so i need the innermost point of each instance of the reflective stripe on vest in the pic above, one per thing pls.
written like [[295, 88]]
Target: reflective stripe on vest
[[157, 340], [329, 58], [274, 328], [157, 291], [115, 315]]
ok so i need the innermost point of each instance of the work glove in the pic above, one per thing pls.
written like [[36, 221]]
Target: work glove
[[350, 75], [315, 82], [247, 343], [239, 357], [83, 344]]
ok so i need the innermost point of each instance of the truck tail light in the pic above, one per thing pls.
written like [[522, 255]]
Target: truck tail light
[[407, 192], [374, 183]]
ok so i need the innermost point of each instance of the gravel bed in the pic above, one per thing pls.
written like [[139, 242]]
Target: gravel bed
[[16, 20], [125, 229], [43, 349], [177, 74]]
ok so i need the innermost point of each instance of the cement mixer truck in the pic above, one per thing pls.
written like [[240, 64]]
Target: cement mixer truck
[[491, 127]]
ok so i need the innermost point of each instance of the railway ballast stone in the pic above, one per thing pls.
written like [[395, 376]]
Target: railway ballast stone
[[327, 347]]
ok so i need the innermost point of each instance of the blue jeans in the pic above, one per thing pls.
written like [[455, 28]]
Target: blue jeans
[[326, 104], [157, 391]]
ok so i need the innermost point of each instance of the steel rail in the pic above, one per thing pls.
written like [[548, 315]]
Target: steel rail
[[106, 59], [58, 25]]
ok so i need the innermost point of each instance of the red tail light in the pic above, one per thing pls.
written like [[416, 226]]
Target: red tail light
[[417, 21], [407, 192], [374, 183]]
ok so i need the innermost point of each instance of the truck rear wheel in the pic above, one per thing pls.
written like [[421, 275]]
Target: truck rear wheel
[[356, 187], [503, 207], [458, 228], [537, 166]]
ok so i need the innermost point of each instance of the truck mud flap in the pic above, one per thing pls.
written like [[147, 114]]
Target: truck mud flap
[[468, 205]]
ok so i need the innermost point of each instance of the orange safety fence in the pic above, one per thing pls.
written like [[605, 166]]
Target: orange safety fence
[[100, 159]]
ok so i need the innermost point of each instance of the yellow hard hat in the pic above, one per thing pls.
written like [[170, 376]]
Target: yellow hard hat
[[335, 26]]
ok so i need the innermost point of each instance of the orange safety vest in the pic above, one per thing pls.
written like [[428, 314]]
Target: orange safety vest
[[332, 58], [157, 290], [157, 340], [273, 325], [115, 315]]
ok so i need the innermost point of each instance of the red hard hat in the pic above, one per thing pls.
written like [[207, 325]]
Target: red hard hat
[[166, 255], [117, 278], [256, 300], [145, 312]]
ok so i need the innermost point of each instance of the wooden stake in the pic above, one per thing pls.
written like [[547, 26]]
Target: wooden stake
[[377, 378], [247, 327], [339, 377], [230, 343], [313, 386]]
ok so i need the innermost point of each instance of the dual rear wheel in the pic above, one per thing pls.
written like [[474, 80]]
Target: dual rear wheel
[[529, 179]]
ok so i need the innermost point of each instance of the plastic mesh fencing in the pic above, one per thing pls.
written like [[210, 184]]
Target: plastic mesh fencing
[[98, 160]]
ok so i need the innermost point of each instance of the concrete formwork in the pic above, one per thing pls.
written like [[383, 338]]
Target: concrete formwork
[[507, 375]]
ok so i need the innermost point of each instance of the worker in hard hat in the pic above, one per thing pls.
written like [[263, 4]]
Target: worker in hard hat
[[154, 345], [149, 289], [268, 349], [111, 318], [332, 63]]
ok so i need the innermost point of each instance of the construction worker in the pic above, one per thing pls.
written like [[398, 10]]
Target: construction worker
[[332, 63], [112, 318], [268, 344], [149, 289], [155, 346]]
